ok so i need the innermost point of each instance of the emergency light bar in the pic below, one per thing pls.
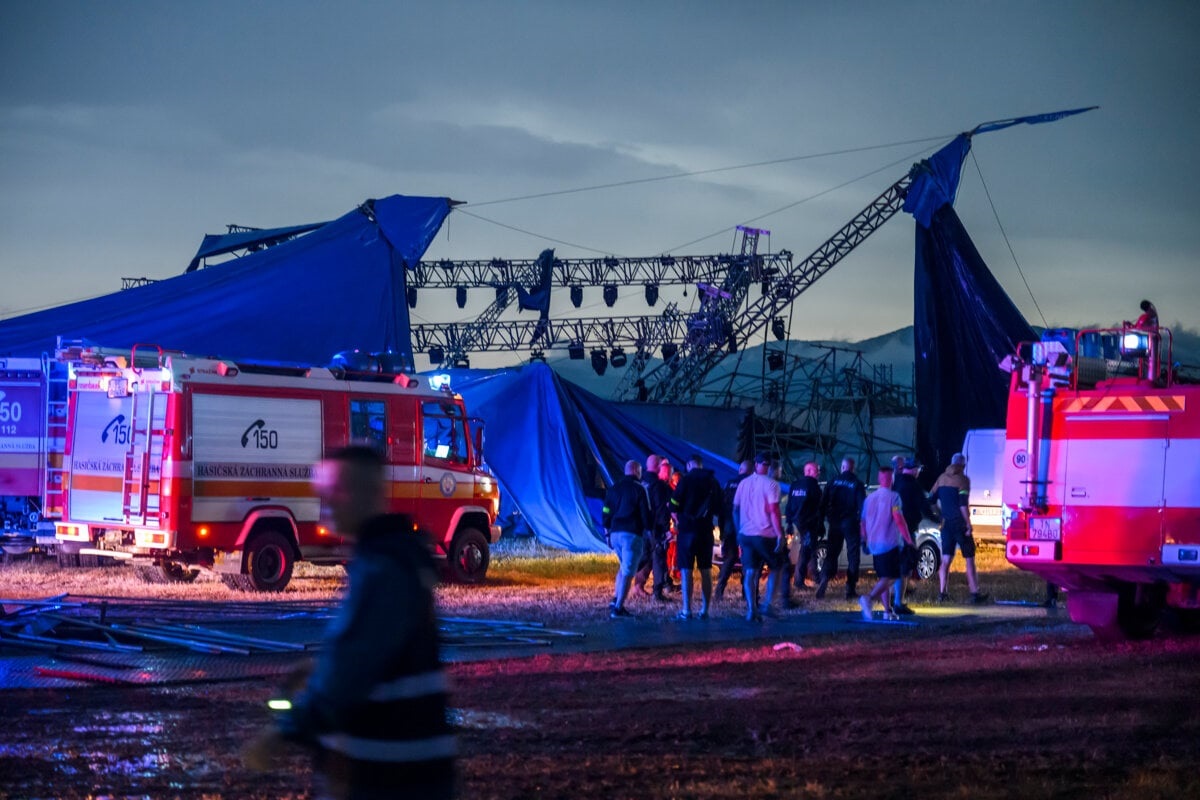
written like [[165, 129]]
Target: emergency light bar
[[439, 382]]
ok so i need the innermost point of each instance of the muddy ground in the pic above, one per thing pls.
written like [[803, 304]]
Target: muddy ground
[[1033, 708]]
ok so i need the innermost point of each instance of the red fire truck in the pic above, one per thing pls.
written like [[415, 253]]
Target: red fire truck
[[201, 463], [33, 417], [1102, 476]]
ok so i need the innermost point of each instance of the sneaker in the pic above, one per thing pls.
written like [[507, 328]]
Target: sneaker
[[821, 587], [904, 610], [753, 617], [702, 615], [851, 593], [683, 616], [660, 597], [980, 598], [619, 613], [891, 616], [943, 597], [865, 605]]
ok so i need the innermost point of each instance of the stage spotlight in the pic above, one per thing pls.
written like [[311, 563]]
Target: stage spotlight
[[651, 294], [599, 361], [412, 297], [774, 360], [575, 351], [617, 358], [437, 355], [462, 362], [779, 328], [669, 350], [610, 294], [537, 355], [460, 296], [577, 296]]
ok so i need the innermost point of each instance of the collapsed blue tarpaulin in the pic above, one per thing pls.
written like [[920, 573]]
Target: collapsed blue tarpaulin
[[963, 321], [339, 287], [555, 447]]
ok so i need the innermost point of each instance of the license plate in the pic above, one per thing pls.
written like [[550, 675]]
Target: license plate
[[1045, 529]]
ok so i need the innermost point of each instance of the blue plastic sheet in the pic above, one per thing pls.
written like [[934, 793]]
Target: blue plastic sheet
[[555, 447], [339, 287]]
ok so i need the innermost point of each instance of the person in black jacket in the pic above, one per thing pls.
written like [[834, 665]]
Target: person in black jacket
[[658, 535], [842, 506], [915, 506], [729, 544], [804, 519], [695, 505], [374, 708], [626, 518]]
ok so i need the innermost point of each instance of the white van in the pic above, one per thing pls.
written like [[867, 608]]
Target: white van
[[984, 449]]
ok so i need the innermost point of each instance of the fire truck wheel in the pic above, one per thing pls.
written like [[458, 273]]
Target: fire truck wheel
[[67, 560], [269, 561], [1139, 609], [166, 572], [469, 557], [928, 560]]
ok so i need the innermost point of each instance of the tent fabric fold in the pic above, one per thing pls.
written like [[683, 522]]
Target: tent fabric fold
[[555, 447]]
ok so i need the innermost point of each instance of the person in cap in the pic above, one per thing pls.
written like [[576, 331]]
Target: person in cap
[[951, 491]]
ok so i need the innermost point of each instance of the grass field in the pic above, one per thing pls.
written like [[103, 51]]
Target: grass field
[[524, 580]]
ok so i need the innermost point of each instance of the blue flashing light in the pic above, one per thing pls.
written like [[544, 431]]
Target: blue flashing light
[[441, 382]]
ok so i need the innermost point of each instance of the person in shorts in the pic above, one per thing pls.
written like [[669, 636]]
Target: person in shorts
[[885, 533], [951, 491], [760, 533], [696, 506]]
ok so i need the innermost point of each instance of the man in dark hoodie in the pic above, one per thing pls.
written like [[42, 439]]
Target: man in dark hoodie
[[626, 518], [374, 709], [696, 506]]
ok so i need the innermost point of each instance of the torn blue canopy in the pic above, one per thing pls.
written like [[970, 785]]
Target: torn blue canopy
[[555, 448], [338, 287]]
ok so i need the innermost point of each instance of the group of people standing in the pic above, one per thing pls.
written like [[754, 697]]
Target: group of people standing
[[642, 515]]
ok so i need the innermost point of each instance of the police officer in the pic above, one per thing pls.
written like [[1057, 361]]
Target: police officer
[[842, 506], [729, 545], [804, 518]]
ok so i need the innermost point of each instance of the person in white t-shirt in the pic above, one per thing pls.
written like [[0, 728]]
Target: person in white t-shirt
[[760, 533], [884, 532]]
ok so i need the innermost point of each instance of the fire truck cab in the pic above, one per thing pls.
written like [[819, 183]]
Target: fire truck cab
[[1102, 476], [201, 463], [33, 417]]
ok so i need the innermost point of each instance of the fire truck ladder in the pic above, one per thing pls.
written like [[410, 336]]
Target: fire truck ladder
[[722, 327], [55, 442], [139, 503]]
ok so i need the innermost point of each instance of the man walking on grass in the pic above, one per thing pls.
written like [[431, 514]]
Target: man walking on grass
[[885, 533], [626, 518]]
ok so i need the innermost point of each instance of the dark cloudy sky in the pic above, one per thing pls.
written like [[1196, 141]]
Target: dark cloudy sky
[[130, 129]]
